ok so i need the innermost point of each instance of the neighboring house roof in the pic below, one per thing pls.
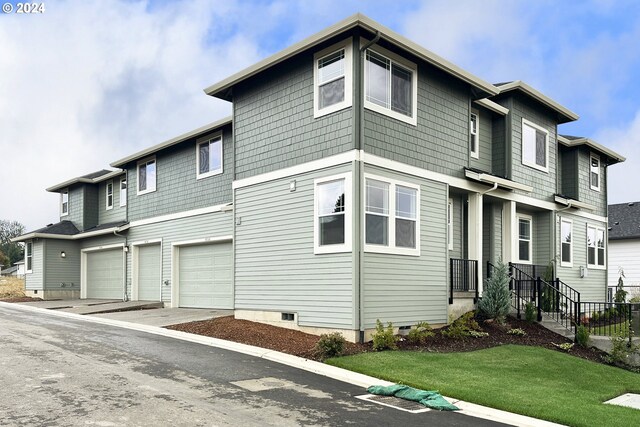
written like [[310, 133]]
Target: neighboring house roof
[[574, 141], [564, 114], [173, 141], [624, 221], [223, 89], [9, 271], [91, 178], [18, 263], [65, 230]]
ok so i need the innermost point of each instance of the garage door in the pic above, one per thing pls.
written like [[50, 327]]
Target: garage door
[[104, 274], [205, 276], [149, 277]]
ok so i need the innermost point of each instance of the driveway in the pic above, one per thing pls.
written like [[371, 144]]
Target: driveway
[[62, 371]]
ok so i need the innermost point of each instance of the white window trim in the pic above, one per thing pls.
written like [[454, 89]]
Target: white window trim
[[28, 255], [347, 45], [66, 191], [106, 195], [208, 140], [155, 184], [534, 165], [596, 157], [414, 86], [450, 224], [564, 263], [391, 248], [517, 235], [475, 154], [123, 200], [604, 264], [348, 210]]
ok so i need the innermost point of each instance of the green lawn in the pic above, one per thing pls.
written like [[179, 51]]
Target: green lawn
[[530, 381]]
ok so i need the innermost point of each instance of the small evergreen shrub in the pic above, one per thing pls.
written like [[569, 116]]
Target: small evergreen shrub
[[384, 338], [530, 312], [566, 346], [519, 332], [465, 326], [330, 345], [477, 334], [620, 347], [496, 298], [582, 336], [420, 333]]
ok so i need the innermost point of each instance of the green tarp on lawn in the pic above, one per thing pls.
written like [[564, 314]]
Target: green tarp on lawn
[[430, 399]]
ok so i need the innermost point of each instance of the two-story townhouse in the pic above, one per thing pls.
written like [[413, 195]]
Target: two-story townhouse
[[364, 178]]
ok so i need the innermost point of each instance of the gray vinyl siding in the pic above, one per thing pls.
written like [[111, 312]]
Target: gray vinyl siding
[[458, 226], [593, 287], [409, 289], [485, 130], [274, 124], [491, 234], [275, 265], [587, 195], [498, 152], [62, 270], [543, 183], [90, 206], [213, 225], [568, 171], [116, 213], [76, 207], [35, 279], [177, 188], [440, 141], [542, 237]]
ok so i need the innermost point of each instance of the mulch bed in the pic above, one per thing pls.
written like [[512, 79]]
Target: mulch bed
[[302, 344]]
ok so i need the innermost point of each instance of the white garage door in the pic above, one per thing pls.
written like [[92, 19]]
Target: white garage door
[[205, 276], [149, 275], [104, 274]]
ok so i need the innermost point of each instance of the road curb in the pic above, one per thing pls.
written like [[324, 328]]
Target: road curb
[[329, 371]]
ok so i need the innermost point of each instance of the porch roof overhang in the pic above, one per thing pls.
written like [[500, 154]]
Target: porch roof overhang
[[612, 156], [78, 236], [572, 203], [492, 106], [492, 179]]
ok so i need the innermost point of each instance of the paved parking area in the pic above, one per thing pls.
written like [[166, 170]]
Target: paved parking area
[[165, 316]]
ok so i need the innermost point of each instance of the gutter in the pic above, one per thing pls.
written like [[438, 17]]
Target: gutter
[[496, 180], [572, 203], [69, 236], [125, 249]]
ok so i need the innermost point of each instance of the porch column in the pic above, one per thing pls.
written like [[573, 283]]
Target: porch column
[[475, 234], [509, 230]]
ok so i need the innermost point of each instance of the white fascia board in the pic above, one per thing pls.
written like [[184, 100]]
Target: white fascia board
[[591, 144], [186, 214], [341, 27], [67, 236], [502, 182], [173, 141], [110, 175], [72, 181], [493, 106], [539, 96], [572, 203]]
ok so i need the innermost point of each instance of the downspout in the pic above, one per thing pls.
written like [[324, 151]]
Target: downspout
[[565, 208], [359, 148], [124, 262], [495, 186]]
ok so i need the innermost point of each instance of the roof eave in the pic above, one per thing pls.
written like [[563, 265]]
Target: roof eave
[[221, 89], [565, 115], [572, 203], [492, 106], [617, 158], [500, 182]]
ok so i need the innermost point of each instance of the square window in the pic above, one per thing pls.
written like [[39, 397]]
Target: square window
[[146, 176], [209, 157], [596, 249], [535, 146], [332, 78]]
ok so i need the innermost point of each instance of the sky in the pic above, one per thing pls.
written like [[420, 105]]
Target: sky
[[88, 82]]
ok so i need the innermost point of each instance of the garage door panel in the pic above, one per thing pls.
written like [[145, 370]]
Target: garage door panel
[[149, 273], [104, 274], [205, 274]]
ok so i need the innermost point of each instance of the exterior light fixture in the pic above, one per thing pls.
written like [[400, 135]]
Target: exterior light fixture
[[63, 254]]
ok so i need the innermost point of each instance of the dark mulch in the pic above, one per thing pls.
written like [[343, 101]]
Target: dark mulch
[[303, 345], [20, 299]]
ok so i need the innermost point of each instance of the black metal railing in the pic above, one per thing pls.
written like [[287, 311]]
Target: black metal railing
[[631, 291], [463, 276], [611, 318], [532, 270], [560, 302], [523, 288]]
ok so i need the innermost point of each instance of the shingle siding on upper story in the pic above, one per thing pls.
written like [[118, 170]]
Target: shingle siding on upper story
[[177, 189], [116, 213], [440, 141], [498, 153], [274, 121], [485, 130], [543, 183], [76, 206], [568, 172], [90, 206], [587, 195]]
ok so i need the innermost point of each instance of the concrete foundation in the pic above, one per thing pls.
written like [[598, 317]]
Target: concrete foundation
[[48, 294]]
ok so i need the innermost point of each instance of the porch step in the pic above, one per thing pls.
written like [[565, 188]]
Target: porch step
[[556, 327]]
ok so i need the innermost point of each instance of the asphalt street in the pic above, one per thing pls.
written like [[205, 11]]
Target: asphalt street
[[65, 372]]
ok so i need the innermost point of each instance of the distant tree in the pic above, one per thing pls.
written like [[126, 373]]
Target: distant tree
[[4, 261], [9, 230]]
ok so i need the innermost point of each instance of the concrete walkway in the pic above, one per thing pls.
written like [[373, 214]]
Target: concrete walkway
[[165, 316]]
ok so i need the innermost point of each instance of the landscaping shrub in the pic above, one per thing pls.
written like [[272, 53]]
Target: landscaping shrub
[[620, 347], [519, 332], [496, 298], [582, 336], [420, 333], [330, 345], [530, 313], [464, 326], [566, 346], [384, 338]]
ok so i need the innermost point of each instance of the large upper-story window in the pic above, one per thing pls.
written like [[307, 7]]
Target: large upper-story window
[[332, 229], [391, 85], [594, 172], [209, 157], [332, 76], [64, 203], [524, 239], [147, 176], [535, 146], [109, 193], [566, 245], [391, 216], [474, 142], [595, 247], [123, 191], [28, 257]]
